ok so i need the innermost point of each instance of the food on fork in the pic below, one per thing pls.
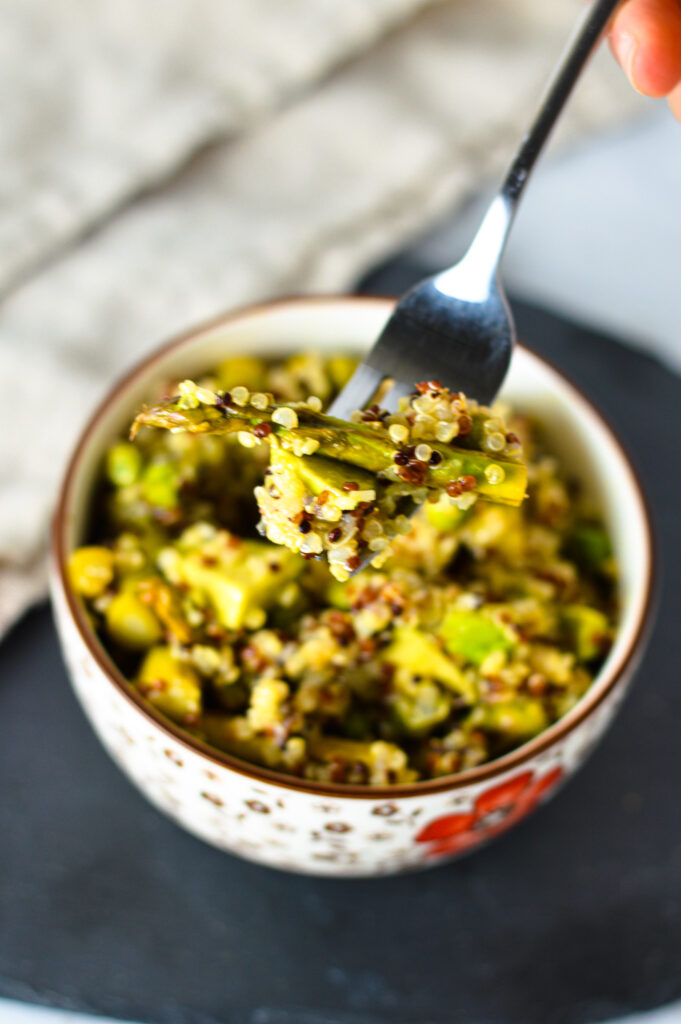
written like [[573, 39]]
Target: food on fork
[[341, 489]]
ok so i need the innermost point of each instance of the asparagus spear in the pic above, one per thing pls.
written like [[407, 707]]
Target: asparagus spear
[[356, 444]]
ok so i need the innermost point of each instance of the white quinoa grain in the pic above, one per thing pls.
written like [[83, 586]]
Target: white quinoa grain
[[495, 442], [285, 417], [495, 474], [372, 530], [206, 397], [424, 404], [398, 433], [402, 524], [445, 432], [246, 439], [240, 396]]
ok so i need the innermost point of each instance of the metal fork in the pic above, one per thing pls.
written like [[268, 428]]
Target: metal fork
[[456, 326]]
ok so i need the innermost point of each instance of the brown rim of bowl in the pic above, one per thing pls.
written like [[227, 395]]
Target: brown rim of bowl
[[592, 699]]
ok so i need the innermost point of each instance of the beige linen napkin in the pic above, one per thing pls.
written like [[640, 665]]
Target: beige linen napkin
[[242, 154]]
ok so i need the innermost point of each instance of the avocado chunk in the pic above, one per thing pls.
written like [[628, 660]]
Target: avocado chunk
[[171, 685], [421, 655], [516, 720], [472, 635], [338, 595], [419, 707], [589, 546], [241, 579], [444, 515], [586, 630]]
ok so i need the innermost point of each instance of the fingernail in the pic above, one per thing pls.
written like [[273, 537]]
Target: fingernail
[[625, 47]]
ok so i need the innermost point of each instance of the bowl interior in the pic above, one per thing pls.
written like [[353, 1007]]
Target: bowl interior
[[575, 431]]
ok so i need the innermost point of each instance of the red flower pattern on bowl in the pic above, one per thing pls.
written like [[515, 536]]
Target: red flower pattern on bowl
[[495, 810]]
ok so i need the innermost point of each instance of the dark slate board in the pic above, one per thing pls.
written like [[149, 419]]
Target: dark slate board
[[574, 916]]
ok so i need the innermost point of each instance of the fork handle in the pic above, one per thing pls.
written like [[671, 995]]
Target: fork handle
[[557, 93], [489, 243]]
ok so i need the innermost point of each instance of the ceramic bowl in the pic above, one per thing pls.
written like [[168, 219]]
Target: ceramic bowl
[[334, 829]]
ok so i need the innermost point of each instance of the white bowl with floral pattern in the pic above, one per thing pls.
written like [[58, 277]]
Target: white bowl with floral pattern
[[334, 829]]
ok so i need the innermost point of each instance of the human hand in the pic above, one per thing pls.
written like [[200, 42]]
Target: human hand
[[645, 36]]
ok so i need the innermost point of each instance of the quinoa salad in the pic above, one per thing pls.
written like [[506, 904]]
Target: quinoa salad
[[224, 572]]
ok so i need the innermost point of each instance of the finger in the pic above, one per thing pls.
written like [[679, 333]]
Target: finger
[[645, 37], [674, 100]]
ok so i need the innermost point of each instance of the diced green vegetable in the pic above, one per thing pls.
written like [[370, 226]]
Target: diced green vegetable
[[241, 583], [171, 685], [233, 734], [131, 623], [445, 516], [421, 706], [586, 630], [91, 570], [160, 483], [515, 720], [420, 654], [472, 635], [589, 545], [123, 464], [386, 761], [338, 595]]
